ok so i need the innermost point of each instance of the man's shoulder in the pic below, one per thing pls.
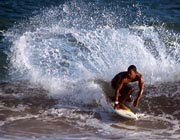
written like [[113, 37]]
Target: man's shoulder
[[140, 76], [123, 73], [120, 76]]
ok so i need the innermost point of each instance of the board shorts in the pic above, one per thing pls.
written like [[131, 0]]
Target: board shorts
[[125, 88], [124, 91]]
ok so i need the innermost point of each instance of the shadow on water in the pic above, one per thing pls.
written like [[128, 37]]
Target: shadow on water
[[27, 110], [21, 98]]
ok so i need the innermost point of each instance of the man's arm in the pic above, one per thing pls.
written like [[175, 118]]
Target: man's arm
[[119, 87], [141, 90]]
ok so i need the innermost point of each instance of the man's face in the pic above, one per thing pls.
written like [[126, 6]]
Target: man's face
[[131, 74]]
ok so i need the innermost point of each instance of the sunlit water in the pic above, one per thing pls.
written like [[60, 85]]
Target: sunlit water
[[62, 61]]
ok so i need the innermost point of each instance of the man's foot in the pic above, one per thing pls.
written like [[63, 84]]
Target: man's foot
[[122, 106]]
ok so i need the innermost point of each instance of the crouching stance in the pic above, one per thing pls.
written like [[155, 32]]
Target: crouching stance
[[123, 90]]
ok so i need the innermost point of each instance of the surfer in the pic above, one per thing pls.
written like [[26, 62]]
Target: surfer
[[123, 90]]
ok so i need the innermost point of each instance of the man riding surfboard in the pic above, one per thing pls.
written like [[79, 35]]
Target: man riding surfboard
[[123, 90]]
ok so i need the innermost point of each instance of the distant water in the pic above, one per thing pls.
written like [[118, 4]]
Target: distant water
[[58, 57]]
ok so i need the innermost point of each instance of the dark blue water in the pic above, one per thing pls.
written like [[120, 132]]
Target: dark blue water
[[58, 57]]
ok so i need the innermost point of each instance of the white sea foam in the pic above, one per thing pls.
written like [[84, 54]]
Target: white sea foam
[[56, 49]]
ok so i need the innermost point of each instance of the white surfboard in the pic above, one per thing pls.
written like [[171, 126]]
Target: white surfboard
[[124, 112]]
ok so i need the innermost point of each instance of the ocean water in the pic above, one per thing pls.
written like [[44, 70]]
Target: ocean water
[[57, 59]]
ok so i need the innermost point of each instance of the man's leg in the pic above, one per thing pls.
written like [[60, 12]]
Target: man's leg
[[125, 93]]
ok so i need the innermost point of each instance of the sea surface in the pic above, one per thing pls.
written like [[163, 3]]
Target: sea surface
[[57, 59]]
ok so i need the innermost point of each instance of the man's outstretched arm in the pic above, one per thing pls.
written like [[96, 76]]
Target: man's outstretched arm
[[141, 90], [119, 87]]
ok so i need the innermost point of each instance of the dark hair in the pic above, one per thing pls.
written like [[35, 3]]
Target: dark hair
[[132, 67]]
